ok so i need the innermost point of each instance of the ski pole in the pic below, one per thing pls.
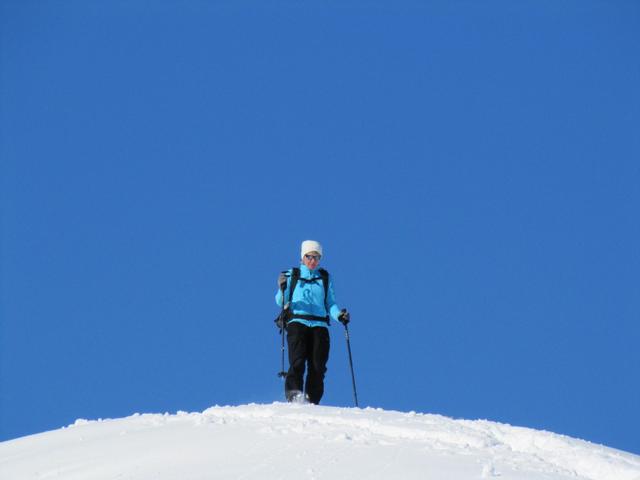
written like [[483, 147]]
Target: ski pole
[[282, 372], [353, 377]]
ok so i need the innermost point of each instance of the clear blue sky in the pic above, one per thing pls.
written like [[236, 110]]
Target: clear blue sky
[[471, 167]]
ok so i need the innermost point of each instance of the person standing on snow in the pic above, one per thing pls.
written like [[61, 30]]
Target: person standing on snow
[[307, 311]]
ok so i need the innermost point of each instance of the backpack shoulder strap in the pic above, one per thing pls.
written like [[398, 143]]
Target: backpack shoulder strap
[[325, 281], [295, 276]]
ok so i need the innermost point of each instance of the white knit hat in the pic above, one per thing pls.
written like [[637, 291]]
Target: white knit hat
[[310, 246]]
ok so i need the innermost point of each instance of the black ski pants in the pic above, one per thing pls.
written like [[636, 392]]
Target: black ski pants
[[308, 346]]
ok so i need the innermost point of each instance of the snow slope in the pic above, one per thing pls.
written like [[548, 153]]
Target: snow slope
[[286, 441]]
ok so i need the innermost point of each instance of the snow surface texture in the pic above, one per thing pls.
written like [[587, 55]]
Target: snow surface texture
[[292, 441]]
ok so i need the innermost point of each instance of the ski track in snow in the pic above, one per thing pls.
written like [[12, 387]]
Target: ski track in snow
[[282, 441]]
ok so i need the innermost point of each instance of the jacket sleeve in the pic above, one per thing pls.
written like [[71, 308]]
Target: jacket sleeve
[[334, 309], [279, 298]]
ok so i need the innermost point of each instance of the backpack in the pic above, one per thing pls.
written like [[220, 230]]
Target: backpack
[[286, 315]]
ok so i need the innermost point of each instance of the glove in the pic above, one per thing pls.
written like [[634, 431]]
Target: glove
[[282, 281], [344, 317]]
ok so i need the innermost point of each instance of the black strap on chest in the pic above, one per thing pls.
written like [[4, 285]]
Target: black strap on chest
[[295, 278]]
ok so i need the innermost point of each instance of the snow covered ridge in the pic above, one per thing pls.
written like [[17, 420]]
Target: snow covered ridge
[[286, 441]]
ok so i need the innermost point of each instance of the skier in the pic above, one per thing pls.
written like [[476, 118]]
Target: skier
[[307, 311]]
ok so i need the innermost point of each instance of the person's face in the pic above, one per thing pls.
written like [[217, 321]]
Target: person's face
[[311, 260]]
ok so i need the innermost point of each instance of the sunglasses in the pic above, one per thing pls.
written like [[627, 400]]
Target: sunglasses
[[312, 257]]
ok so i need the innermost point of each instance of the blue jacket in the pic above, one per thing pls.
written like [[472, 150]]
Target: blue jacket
[[308, 298]]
